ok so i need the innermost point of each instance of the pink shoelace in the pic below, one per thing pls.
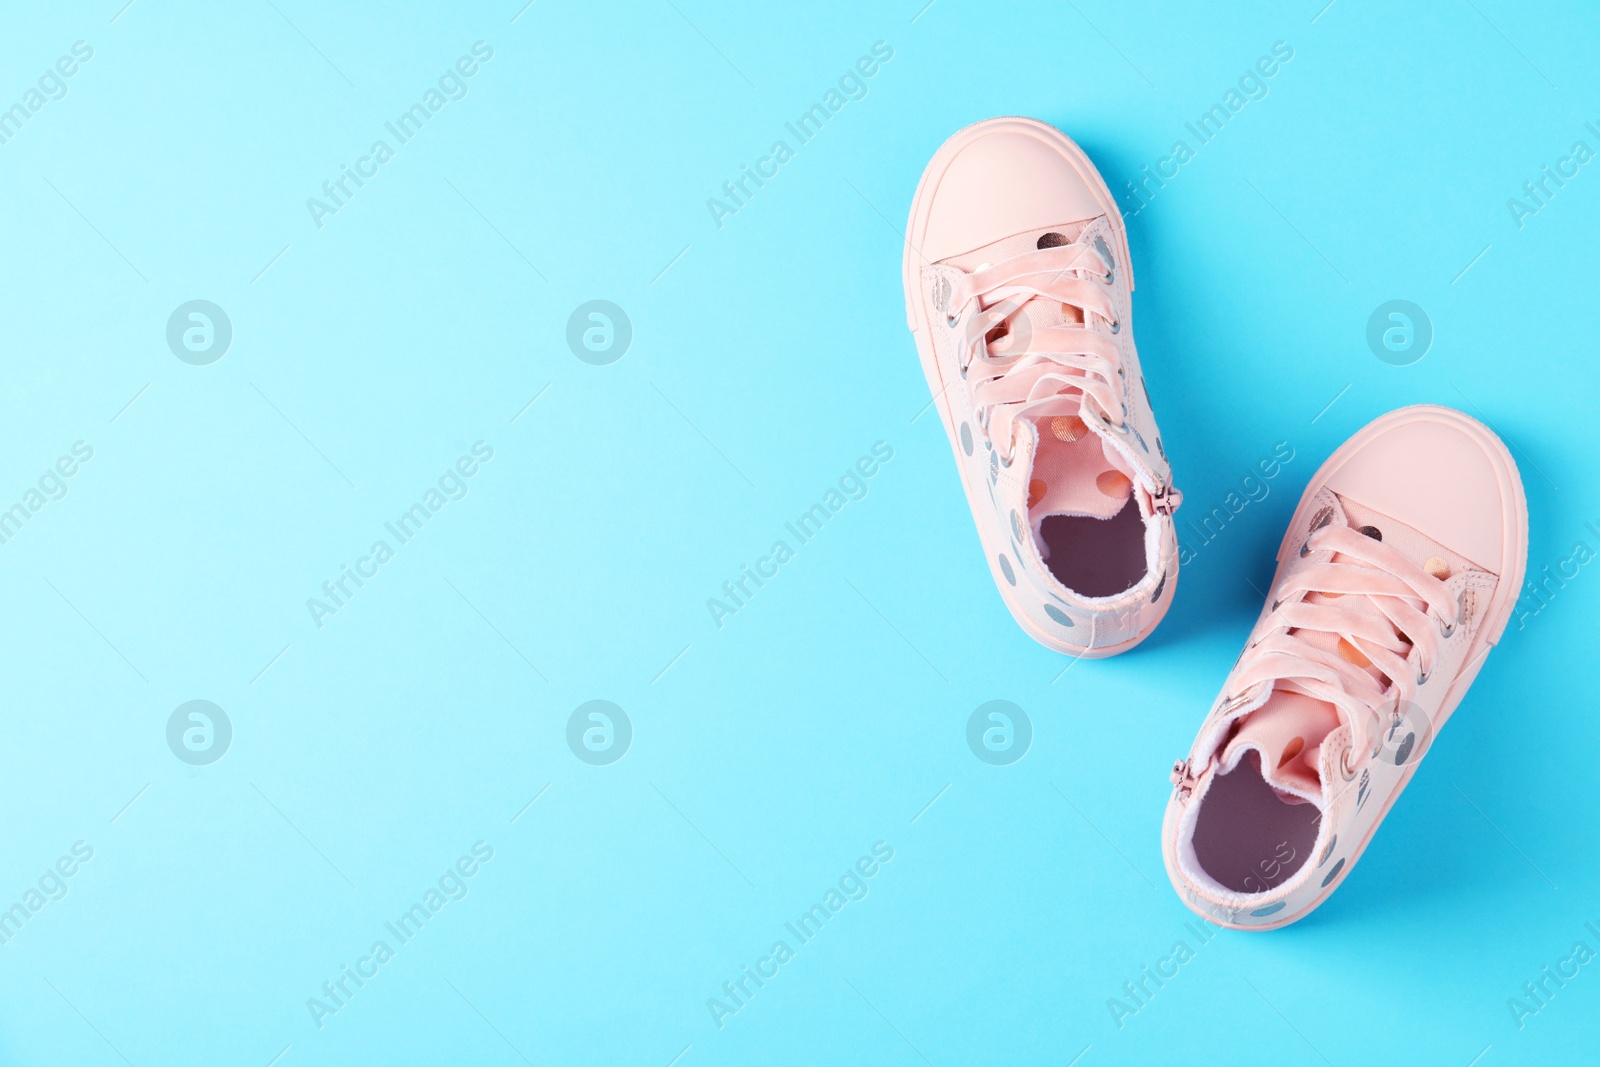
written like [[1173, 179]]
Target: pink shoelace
[[1385, 607], [1063, 369]]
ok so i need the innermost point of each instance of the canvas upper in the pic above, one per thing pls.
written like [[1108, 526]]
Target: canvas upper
[[1018, 288], [1397, 575]]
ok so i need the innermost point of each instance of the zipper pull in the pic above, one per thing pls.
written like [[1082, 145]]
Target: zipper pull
[[1183, 780], [1166, 499]]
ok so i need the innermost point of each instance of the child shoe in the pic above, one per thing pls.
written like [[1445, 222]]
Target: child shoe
[[1398, 573], [1017, 290]]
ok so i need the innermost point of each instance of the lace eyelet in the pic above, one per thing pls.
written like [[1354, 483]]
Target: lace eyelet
[[1117, 427], [952, 321], [1116, 325], [1109, 277], [1422, 675], [1446, 631], [1345, 769]]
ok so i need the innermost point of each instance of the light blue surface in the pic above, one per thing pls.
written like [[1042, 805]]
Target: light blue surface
[[769, 353]]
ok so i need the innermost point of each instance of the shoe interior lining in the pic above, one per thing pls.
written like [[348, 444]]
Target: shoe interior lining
[[1246, 836], [1085, 520], [1095, 557]]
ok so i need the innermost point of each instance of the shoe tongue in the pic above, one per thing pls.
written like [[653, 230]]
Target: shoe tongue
[[1286, 733]]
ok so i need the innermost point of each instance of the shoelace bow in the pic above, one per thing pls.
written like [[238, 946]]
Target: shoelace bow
[[1387, 608], [1032, 382]]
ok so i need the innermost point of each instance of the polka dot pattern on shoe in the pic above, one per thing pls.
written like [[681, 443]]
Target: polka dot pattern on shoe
[[1437, 567], [1352, 654], [1068, 428], [1058, 615], [1005, 568], [1114, 484], [1036, 491]]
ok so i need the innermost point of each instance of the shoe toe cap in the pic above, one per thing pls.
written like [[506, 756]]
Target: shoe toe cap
[[1008, 181], [1441, 473]]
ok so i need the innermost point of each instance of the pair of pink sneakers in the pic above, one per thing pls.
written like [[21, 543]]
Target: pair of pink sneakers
[[1397, 574]]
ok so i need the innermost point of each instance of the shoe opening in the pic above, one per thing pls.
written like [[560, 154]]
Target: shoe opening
[[1250, 837], [1095, 557], [1085, 519]]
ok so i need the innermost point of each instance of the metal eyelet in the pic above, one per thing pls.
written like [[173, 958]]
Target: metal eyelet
[[952, 321], [1116, 326], [1004, 461], [1446, 631], [1109, 277], [1122, 427], [1422, 675], [1345, 769]]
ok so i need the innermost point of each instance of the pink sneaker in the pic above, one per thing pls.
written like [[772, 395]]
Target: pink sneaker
[[1399, 572], [1017, 289]]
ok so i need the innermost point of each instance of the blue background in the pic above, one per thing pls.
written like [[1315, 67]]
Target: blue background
[[768, 354]]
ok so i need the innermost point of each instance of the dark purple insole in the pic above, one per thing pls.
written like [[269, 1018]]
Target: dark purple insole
[[1248, 839], [1096, 557]]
